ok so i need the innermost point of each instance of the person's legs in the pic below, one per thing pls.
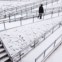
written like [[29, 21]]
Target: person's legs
[[40, 15]]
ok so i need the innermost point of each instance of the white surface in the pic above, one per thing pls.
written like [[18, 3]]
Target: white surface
[[18, 38], [56, 56], [39, 49], [11, 4]]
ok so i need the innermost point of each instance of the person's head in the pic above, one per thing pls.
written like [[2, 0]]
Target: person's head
[[41, 5]]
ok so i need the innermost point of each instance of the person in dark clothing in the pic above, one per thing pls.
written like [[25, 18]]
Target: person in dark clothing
[[41, 11]]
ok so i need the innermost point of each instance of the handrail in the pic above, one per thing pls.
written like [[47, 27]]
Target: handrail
[[27, 5], [35, 14], [59, 24], [36, 43], [44, 52], [28, 17], [24, 9], [21, 7]]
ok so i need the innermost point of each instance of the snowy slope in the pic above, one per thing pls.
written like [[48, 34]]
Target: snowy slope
[[39, 49], [18, 38], [22, 36], [24, 14], [19, 4], [56, 56]]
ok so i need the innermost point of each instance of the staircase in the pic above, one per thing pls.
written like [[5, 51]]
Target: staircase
[[3, 54]]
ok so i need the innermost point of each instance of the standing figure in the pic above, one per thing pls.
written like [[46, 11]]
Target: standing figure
[[41, 11]]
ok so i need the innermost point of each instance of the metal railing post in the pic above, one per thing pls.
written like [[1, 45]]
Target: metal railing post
[[35, 60], [54, 43], [52, 13], [20, 22], [4, 26], [14, 17], [33, 18], [34, 44], [44, 53], [21, 12], [58, 11], [43, 15], [46, 3], [52, 29], [31, 9], [9, 17]]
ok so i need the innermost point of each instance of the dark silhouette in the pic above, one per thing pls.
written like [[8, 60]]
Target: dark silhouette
[[41, 11]]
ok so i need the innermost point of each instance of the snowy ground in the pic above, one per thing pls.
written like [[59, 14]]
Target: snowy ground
[[24, 14], [22, 36], [18, 38], [56, 56], [39, 49], [11, 5]]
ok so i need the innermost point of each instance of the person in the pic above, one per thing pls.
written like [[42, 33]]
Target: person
[[41, 11]]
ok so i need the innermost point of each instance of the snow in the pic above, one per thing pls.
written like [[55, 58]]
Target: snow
[[11, 4], [56, 56], [39, 49], [28, 13], [17, 39], [8, 5]]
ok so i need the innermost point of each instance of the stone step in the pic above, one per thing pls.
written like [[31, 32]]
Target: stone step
[[4, 59], [8, 60], [0, 42], [2, 50], [1, 45], [2, 55]]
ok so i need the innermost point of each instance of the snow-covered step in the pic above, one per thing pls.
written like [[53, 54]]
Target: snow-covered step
[[56, 56], [0, 41], [2, 50], [0, 45], [37, 51], [5, 59], [4, 54]]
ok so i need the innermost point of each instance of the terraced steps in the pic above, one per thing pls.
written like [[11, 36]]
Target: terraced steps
[[3, 54], [2, 50], [0, 45], [5, 59]]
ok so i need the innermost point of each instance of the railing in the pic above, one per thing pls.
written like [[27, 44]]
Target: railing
[[32, 16], [27, 5], [20, 7], [35, 13], [13, 12], [49, 50], [35, 43], [22, 53]]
